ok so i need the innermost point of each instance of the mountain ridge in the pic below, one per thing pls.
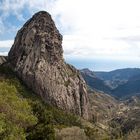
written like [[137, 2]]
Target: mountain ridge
[[93, 81], [121, 83]]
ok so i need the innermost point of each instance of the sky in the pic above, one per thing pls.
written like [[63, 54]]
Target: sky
[[97, 34]]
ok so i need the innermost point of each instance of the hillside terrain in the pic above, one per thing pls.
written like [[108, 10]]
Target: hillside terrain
[[117, 77], [120, 116], [94, 82], [122, 83], [130, 88], [38, 120], [25, 116]]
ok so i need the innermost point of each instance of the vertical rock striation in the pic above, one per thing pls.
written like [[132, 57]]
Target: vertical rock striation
[[37, 58], [3, 59]]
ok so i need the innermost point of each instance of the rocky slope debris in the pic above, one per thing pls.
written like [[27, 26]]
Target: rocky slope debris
[[37, 58], [3, 59]]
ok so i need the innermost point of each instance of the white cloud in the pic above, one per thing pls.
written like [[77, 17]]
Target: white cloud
[[3, 53], [82, 47], [97, 25], [1, 26], [13, 7], [17, 8], [40, 5], [91, 28], [6, 43]]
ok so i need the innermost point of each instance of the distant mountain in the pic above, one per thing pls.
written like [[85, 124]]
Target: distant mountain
[[121, 83], [131, 87], [94, 82], [117, 77]]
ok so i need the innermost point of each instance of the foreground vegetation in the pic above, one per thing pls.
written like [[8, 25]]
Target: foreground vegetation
[[23, 116]]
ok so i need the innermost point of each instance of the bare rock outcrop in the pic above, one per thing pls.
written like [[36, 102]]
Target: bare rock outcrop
[[3, 59], [37, 58]]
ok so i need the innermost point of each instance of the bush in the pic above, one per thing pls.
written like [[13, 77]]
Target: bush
[[15, 113], [23, 115]]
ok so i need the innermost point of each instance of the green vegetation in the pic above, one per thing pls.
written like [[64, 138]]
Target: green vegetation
[[23, 115], [91, 133], [15, 113]]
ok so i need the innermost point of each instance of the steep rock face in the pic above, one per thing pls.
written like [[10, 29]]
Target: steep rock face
[[37, 58], [3, 59]]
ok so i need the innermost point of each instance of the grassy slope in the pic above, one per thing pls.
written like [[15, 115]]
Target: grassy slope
[[34, 119], [23, 115]]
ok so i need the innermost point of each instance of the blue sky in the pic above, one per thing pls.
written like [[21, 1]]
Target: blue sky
[[100, 35]]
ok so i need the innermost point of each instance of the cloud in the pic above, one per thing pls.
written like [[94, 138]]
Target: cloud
[[12, 7], [82, 47], [95, 27], [6, 43], [3, 53], [130, 38], [1, 26], [21, 10], [92, 29], [8, 9], [5, 46]]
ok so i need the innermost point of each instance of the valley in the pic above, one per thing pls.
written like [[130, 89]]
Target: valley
[[118, 108], [122, 83]]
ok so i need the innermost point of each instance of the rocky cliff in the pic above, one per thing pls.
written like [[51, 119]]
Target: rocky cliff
[[37, 58], [3, 59]]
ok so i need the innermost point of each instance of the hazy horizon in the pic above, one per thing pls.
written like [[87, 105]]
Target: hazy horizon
[[100, 65]]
